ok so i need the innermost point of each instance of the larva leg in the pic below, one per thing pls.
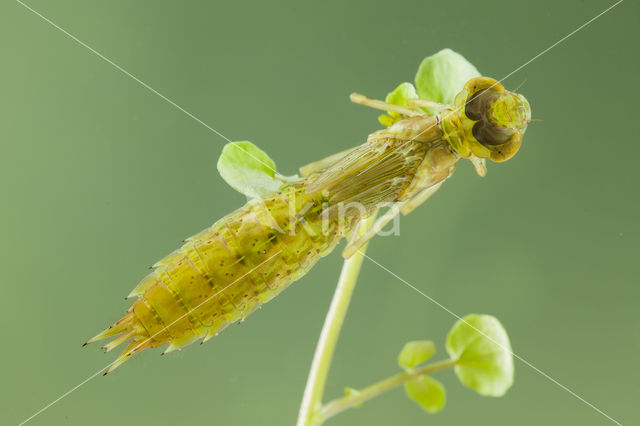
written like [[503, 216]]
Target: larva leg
[[404, 207], [354, 245], [316, 166], [479, 164], [384, 106], [412, 203], [435, 106], [354, 234]]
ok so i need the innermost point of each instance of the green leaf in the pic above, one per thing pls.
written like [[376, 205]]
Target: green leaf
[[416, 352], [398, 96], [426, 392], [441, 76], [248, 169], [401, 94], [481, 347]]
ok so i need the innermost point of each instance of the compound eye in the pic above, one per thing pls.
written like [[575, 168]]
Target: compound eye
[[479, 103], [475, 106], [490, 134]]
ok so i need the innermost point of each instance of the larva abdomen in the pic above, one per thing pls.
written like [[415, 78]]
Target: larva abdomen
[[225, 272]]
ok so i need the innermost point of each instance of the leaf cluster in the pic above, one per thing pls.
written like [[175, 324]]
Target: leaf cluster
[[250, 171], [480, 352]]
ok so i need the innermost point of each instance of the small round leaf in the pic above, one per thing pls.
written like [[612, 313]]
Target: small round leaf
[[441, 76], [481, 347], [398, 96], [248, 169], [401, 94], [427, 392], [416, 352]]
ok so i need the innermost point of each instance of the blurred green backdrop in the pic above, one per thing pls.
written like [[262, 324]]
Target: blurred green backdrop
[[100, 178]]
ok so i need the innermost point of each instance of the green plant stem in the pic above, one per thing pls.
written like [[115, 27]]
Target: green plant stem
[[341, 404], [312, 398]]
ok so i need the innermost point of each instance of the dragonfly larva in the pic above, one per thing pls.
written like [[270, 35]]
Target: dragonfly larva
[[225, 272]]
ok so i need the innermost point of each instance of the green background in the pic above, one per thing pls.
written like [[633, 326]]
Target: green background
[[100, 178]]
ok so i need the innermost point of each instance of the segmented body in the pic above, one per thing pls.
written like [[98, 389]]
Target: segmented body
[[225, 272], [222, 274]]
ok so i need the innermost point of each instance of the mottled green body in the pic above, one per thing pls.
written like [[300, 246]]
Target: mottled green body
[[222, 274], [256, 251], [225, 272]]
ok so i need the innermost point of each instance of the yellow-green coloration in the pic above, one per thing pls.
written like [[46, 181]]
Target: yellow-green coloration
[[486, 120], [224, 273]]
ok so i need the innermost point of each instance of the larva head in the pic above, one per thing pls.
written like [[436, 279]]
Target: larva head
[[487, 121]]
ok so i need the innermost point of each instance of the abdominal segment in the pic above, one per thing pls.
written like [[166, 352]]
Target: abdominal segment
[[222, 274]]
